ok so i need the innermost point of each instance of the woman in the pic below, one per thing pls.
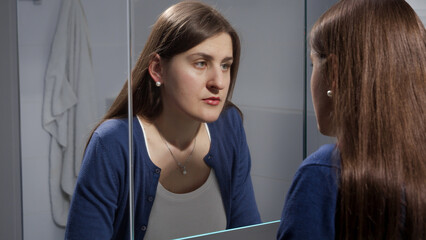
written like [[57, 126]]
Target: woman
[[368, 90], [191, 160]]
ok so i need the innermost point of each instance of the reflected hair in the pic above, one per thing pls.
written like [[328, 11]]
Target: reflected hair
[[379, 101], [178, 29]]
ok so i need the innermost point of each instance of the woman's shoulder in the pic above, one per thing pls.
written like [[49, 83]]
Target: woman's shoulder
[[108, 146], [319, 172], [112, 130], [313, 193], [326, 156], [112, 126]]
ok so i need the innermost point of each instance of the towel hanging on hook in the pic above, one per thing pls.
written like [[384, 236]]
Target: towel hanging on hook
[[69, 106]]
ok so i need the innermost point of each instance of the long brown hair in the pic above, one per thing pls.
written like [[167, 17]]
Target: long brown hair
[[178, 29], [379, 101]]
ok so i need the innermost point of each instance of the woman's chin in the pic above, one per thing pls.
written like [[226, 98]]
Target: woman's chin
[[209, 116], [209, 119], [326, 131]]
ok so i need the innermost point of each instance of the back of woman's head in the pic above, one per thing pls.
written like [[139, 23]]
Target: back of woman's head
[[376, 61], [178, 29]]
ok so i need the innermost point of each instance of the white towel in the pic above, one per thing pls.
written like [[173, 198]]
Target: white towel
[[69, 107]]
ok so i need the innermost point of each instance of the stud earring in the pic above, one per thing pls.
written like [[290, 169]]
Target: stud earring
[[158, 84], [329, 93]]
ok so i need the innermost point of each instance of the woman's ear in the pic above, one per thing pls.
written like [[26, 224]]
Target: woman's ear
[[155, 69]]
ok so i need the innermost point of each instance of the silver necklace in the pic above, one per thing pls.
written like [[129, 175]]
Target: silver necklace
[[182, 166]]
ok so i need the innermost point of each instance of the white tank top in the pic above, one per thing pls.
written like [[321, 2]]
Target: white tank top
[[179, 215]]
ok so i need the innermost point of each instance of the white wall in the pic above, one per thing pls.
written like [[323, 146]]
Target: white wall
[[36, 27]]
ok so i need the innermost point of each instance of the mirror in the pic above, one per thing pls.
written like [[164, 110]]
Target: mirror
[[270, 88]]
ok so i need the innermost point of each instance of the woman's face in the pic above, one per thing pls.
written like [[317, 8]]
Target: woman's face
[[196, 82], [322, 102]]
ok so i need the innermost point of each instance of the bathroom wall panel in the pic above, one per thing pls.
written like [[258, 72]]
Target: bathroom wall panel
[[270, 195], [275, 141], [36, 26], [110, 71]]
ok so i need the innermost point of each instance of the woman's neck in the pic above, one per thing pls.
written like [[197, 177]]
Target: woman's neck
[[179, 132]]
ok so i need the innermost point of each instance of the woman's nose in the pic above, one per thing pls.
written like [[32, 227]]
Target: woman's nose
[[216, 79]]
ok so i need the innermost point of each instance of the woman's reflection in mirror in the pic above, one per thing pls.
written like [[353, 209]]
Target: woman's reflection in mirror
[[191, 159], [368, 89]]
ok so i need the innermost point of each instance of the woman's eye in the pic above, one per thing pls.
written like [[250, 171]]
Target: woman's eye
[[225, 66], [200, 64]]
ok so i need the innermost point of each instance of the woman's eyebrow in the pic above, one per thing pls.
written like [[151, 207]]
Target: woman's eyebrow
[[209, 57], [227, 59], [203, 55]]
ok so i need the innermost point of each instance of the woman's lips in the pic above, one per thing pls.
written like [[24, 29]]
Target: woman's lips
[[214, 101]]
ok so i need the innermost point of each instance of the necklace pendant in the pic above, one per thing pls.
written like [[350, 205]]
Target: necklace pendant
[[181, 166]]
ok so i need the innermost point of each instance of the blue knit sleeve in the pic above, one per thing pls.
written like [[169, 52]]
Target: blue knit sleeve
[[244, 208], [96, 196], [310, 205]]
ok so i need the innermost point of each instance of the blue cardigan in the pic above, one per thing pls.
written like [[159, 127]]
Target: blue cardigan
[[100, 204], [310, 205]]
